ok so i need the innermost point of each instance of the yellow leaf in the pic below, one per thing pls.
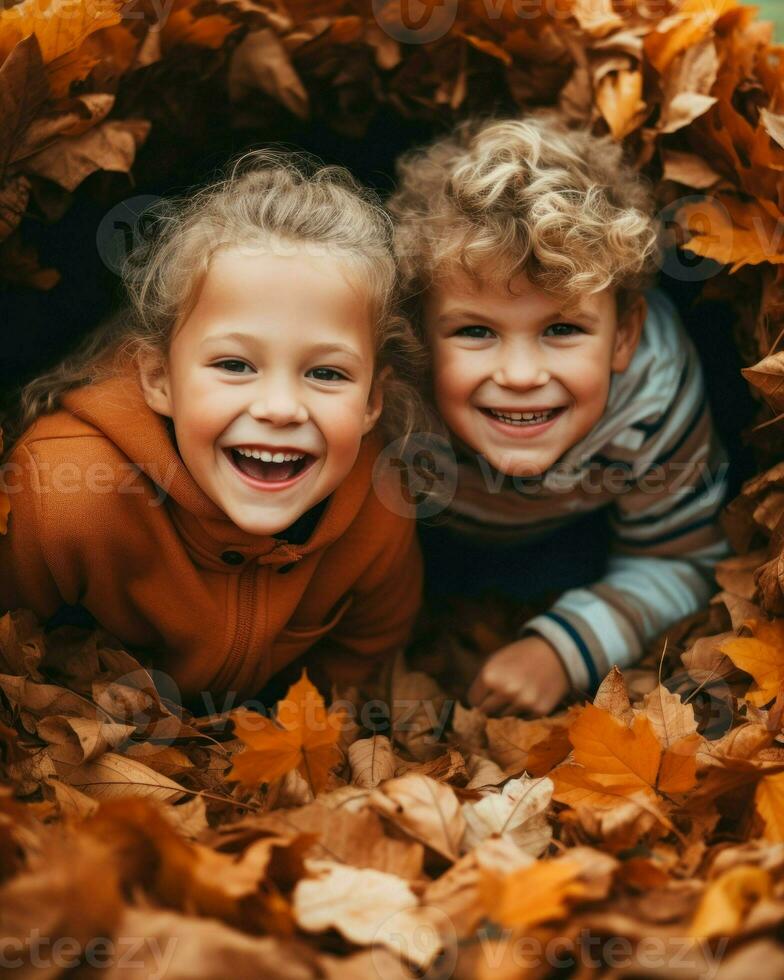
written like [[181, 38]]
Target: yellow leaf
[[619, 98], [727, 901], [695, 19], [59, 25], [762, 656], [528, 896], [769, 801]]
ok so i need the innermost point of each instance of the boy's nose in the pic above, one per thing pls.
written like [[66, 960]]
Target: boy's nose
[[521, 372]]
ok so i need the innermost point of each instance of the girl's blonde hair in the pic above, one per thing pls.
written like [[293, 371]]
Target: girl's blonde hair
[[266, 199], [499, 196]]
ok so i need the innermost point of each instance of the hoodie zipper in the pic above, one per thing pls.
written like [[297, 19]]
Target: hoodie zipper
[[243, 629]]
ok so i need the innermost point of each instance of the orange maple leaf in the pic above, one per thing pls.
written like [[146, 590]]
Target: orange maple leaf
[[732, 232], [762, 656], [303, 736], [616, 760]]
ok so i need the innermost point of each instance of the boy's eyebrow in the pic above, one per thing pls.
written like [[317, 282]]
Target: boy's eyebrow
[[459, 311]]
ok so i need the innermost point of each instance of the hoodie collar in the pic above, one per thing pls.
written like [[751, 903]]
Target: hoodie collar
[[117, 408]]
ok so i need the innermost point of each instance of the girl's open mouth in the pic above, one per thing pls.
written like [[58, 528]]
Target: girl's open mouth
[[270, 468]]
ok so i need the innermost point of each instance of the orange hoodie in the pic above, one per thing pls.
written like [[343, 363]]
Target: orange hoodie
[[105, 514]]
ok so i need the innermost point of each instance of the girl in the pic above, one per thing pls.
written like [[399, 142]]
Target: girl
[[197, 478]]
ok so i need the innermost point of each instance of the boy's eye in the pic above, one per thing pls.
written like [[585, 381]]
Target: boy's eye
[[562, 330], [326, 374], [235, 367], [478, 333]]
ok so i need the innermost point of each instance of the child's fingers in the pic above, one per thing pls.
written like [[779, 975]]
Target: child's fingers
[[478, 691], [494, 704]]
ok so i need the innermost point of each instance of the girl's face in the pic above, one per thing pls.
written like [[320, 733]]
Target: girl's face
[[269, 384], [515, 379]]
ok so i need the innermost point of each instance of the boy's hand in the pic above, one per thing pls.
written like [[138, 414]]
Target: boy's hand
[[525, 676]]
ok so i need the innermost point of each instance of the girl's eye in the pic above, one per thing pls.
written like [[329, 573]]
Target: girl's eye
[[476, 333], [326, 374], [562, 330], [235, 367]]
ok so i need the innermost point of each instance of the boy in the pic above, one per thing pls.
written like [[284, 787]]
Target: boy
[[573, 398]]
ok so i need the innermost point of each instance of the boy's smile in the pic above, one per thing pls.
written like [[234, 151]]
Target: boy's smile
[[515, 379], [269, 383]]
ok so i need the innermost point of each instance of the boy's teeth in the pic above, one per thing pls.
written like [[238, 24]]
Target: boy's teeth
[[267, 457], [523, 418]]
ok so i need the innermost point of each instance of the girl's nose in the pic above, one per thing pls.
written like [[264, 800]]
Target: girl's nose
[[279, 404], [522, 372]]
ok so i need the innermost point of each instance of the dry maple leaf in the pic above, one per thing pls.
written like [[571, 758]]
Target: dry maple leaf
[[762, 656], [303, 736], [628, 760]]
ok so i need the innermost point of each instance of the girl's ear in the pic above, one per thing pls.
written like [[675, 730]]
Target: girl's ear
[[375, 402], [154, 381], [628, 333]]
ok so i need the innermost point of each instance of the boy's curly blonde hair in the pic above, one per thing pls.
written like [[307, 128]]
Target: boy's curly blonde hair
[[500, 196]]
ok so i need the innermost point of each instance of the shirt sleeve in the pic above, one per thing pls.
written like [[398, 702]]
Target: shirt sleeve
[[380, 619], [26, 577], [665, 543]]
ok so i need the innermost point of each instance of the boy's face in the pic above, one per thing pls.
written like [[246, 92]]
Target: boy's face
[[274, 359], [515, 379]]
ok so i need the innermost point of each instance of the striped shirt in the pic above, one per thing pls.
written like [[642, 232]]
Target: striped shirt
[[655, 461]]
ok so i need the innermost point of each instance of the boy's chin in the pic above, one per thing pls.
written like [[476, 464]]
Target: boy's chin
[[521, 465]]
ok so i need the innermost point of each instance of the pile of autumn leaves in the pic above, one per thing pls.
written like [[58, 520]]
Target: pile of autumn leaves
[[416, 835], [693, 87], [346, 844]]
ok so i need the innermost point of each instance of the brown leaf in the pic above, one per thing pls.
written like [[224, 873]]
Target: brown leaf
[[113, 776], [372, 761], [110, 146], [426, 810]]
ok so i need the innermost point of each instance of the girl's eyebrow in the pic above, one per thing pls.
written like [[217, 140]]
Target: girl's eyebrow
[[336, 348], [318, 349]]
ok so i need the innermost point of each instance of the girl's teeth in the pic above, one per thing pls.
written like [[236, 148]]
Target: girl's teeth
[[267, 457]]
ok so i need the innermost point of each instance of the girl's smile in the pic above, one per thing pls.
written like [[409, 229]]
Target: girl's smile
[[270, 383], [272, 468]]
